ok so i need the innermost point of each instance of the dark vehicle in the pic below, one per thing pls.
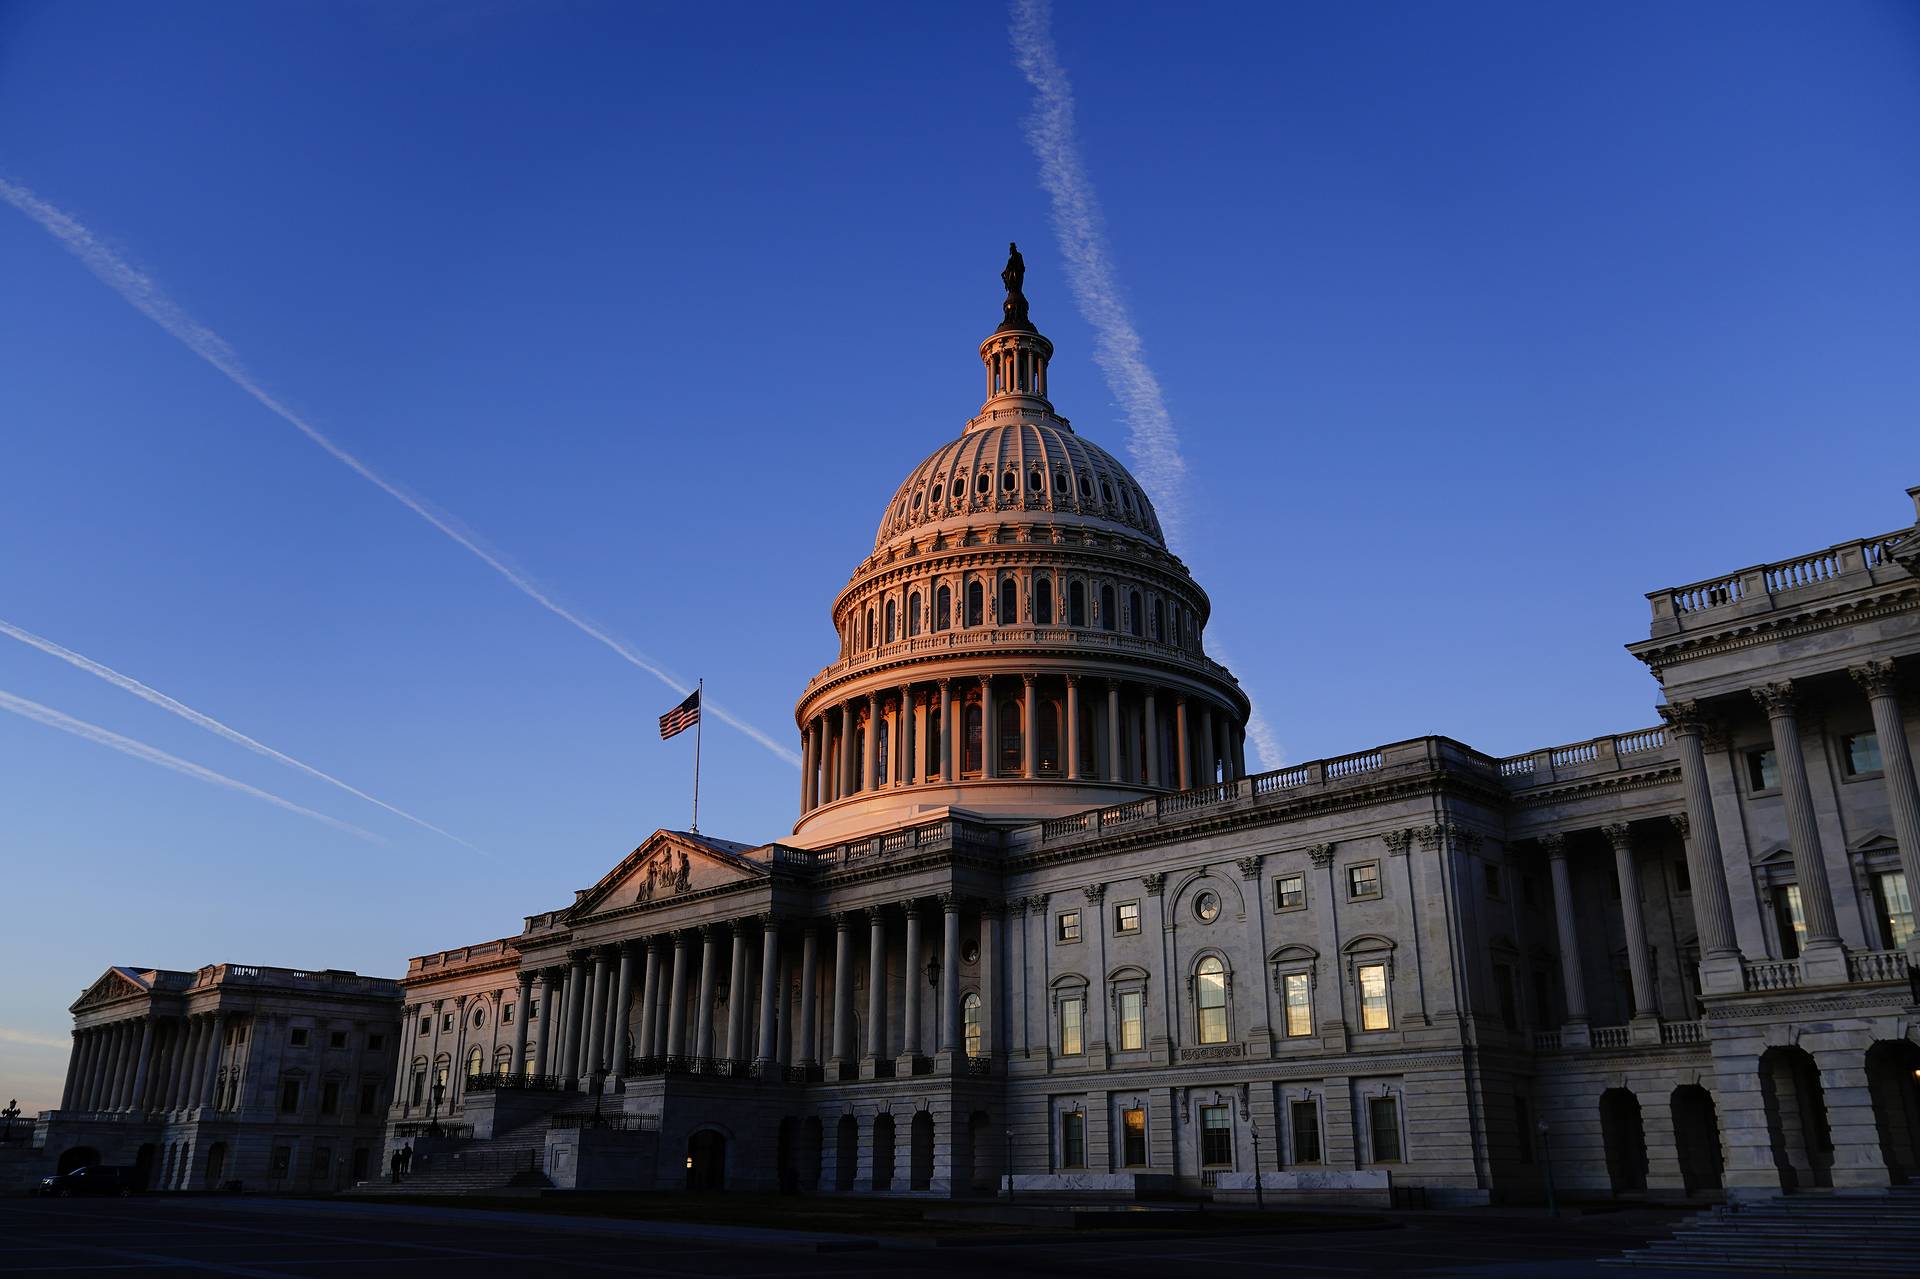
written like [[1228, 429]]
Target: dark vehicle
[[98, 1179]]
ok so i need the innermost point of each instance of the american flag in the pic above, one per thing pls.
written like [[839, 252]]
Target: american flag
[[681, 717]]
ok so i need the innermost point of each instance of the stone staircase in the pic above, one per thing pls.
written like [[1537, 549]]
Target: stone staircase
[[1874, 1233], [471, 1167]]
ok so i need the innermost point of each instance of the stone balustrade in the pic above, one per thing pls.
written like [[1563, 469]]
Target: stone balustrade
[[1866, 560]]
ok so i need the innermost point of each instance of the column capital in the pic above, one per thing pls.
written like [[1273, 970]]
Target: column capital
[[945, 682], [1554, 844], [1095, 892], [709, 931], [843, 920], [950, 903], [1156, 882], [769, 921], [1683, 718], [1016, 906], [1680, 824], [1073, 680], [1028, 678], [1037, 903], [1398, 842], [1778, 697], [992, 909], [1875, 677], [1250, 865], [1619, 834], [1320, 854]]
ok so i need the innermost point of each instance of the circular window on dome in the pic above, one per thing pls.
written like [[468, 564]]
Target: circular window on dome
[[1106, 492], [1033, 481], [936, 493], [1086, 487], [1008, 483], [1206, 907]]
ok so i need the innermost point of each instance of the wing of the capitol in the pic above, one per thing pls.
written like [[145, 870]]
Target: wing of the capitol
[[1037, 917]]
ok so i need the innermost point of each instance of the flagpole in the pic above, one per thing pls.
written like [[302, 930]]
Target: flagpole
[[698, 724]]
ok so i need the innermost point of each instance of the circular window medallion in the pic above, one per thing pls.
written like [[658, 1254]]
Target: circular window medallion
[[970, 953], [479, 1016], [1206, 907]]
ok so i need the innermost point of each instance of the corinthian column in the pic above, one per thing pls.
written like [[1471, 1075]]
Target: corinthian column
[[1571, 975], [1720, 968], [806, 768], [842, 1045], [1150, 730], [870, 752], [1072, 728], [1029, 730], [764, 1052], [910, 1003], [1113, 730], [737, 995], [1822, 959], [809, 995], [1182, 744], [650, 1000], [989, 730], [876, 983], [950, 974], [709, 991], [677, 1000], [1896, 770], [1646, 996], [622, 1003], [947, 770]]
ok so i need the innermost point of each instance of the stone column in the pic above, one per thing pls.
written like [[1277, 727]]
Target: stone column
[[737, 1048], [841, 1047], [709, 990], [522, 1009], [1209, 760], [902, 761], [576, 992], [123, 1066], [196, 1063], [1720, 967], [1150, 731], [650, 1000], [622, 1001], [1896, 764], [1573, 979], [989, 979], [596, 1020], [765, 1051], [809, 995], [876, 984], [1646, 993], [950, 973], [677, 1000], [1113, 730], [1239, 751], [1182, 744], [89, 1042], [74, 1053], [910, 1004], [806, 767], [1029, 729], [849, 762], [947, 770], [540, 1050], [100, 1095], [1072, 728], [989, 730], [870, 748], [215, 1046], [1822, 961]]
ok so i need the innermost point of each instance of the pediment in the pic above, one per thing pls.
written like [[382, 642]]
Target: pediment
[[115, 983], [1873, 841], [668, 864]]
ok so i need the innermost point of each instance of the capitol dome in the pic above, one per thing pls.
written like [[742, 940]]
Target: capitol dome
[[1020, 644]]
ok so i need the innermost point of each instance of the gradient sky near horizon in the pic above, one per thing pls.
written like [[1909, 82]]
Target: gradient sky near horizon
[[1476, 322]]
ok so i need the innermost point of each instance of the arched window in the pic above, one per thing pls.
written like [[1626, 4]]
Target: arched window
[[880, 751], [476, 1061], [1009, 602], [1109, 612], [1043, 602], [1076, 603], [869, 628], [859, 753], [1049, 738], [913, 615], [976, 604], [972, 764], [1133, 613], [970, 1022], [1159, 619], [1009, 727], [891, 623], [942, 608], [1210, 1000]]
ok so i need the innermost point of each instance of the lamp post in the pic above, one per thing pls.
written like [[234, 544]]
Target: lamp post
[[1546, 1153], [1259, 1196], [1009, 1163], [11, 1113], [433, 1109]]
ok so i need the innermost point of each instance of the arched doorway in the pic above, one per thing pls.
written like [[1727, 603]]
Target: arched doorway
[[706, 1161], [76, 1157], [1893, 1081], [216, 1164], [846, 1152], [920, 1152], [784, 1154], [811, 1149], [1696, 1137], [1796, 1110], [883, 1152], [143, 1166], [985, 1152], [1625, 1139]]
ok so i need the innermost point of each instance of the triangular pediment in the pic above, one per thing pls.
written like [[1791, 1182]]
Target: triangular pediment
[[669, 864], [115, 983]]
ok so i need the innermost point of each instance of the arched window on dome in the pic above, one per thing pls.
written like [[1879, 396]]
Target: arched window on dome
[[1109, 611], [1048, 743], [913, 614], [880, 743], [1009, 602], [859, 753], [976, 604], [927, 745], [1159, 619], [1076, 603], [869, 628], [1009, 726], [891, 623], [972, 763], [943, 608], [1043, 601], [1133, 613]]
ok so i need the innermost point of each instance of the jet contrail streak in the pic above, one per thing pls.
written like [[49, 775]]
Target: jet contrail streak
[[1153, 443], [145, 295], [128, 684], [140, 750]]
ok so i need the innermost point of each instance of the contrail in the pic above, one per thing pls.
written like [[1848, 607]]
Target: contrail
[[212, 725], [140, 750], [146, 296], [1152, 443]]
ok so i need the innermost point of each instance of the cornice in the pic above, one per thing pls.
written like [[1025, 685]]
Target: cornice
[[1747, 632], [1558, 792]]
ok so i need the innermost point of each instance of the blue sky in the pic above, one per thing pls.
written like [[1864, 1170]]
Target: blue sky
[[1475, 322]]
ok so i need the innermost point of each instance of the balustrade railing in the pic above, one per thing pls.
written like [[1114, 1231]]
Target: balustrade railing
[[490, 1080], [1772, 974], [1546, 1041], [1817, 568], [1610, 1036], [1683, 1032], [1877, 965], [979, 1066]]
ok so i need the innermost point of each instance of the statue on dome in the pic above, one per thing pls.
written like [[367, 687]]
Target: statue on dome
[[1013, 277]]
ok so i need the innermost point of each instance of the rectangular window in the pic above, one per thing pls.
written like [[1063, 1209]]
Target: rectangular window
[[1509, 1004], [322, 1162], [1491, 873], [1299, 993], [533, 1010], [1383, 1126], [446, 1022], [289, 1096], [1133, 1139], [337, 1039], [1893, 904], [1304, 1118], [1523, 1128], [506, 1015], [376, 1042], [1788, 918], [369, 1096], [1073, 1016], [426, 1025], [1216, 1137], [282, 1160], [1290, 892], [1126, 917], [330, 1097], [1860, 754], [1373, 997], [1763, 770], [1363, 881], [1073, 1139], [1066, 926], [299, 1036], [1133, 1020]]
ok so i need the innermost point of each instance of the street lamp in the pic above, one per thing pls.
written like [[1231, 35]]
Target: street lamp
[[1259, 1196], [1546, 1153], [433, 1108], [1009, 1163], [11, 1113]]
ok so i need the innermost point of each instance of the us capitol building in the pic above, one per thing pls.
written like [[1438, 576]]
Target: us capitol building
[[1037, 918]]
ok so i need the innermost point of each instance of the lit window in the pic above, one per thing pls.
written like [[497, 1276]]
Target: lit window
[[970, 1022], [1363, 880], [1290, 892], [1299, 994], [1304, 1118], [1373, 997], [1383, 1126], [1893, 905], [1133, 1138], [1067, 926], [1206, 907], [1073, 1139], [1763, 770], [1133, 1019], [1216, 1137], [1860, 754], [1210, 1000], [1126, 917], [476, 1062], [1073, 1017]]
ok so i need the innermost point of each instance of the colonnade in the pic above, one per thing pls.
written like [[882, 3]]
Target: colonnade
[[1070, 727], [145, 1063]]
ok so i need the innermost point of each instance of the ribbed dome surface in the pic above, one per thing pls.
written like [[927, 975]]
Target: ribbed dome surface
[[1018, 466]]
